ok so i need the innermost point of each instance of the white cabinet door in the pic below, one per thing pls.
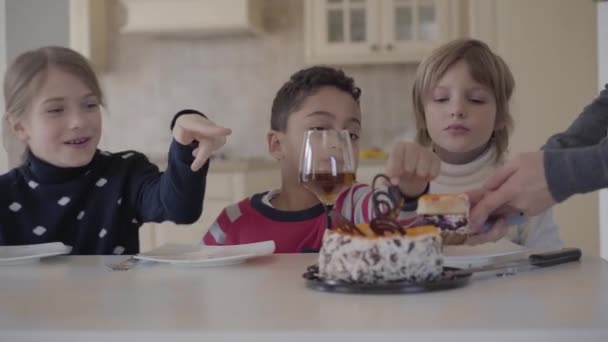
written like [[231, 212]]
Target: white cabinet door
[[411, 29], [341, 29]]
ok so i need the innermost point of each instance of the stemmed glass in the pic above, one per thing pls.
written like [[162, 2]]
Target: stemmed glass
[[327, 166]]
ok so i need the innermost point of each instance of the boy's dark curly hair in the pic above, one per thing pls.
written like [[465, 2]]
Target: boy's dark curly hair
[[303, 84]]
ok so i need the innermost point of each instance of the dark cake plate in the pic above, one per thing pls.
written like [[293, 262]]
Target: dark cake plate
[[444, 282]]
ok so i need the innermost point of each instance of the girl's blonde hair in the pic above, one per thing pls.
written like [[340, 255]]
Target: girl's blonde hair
[[486, 68], [27, 72]]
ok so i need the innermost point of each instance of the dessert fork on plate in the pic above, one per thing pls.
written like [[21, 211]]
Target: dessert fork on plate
[[124, 265]]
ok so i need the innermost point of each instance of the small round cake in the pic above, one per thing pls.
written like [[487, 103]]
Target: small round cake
[[365, 254]]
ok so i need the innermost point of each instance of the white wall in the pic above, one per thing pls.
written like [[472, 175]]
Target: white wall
[[33, 23], [602, 54], [29, 24]]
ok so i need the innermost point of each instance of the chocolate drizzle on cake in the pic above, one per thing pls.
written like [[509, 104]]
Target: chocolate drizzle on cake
[[345, 225], [386, 203], [350, 229]]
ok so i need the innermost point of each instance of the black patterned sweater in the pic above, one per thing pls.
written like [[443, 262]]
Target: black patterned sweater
[[98, 208]]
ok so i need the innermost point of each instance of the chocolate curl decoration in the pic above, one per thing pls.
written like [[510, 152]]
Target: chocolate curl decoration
[[386, 203], [345, 225]]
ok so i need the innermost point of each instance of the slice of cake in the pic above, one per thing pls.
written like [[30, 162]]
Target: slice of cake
[[448, 212], [372, 254]]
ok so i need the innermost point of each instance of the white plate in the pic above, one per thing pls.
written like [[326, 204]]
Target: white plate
[[484, 254], [207, 256], [17, 255]]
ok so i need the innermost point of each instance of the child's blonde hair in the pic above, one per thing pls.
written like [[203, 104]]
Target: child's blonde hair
[[26, 74], [486, 68]]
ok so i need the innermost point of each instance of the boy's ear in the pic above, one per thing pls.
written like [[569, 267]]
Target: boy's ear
[[17, 127], [275, 144]]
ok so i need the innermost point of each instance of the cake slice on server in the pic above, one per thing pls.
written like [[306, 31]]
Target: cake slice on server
[[449, 212]]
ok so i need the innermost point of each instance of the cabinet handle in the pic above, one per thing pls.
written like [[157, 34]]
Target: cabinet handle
[[375, 47], [390, 47]]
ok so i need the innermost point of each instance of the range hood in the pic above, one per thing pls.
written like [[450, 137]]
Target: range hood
[[193, 17]]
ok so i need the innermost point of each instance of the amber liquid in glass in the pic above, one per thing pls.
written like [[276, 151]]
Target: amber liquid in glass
[[327, 186]]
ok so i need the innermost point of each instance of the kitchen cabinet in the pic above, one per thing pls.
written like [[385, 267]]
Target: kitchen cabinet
[[378, 31], [193, 18]]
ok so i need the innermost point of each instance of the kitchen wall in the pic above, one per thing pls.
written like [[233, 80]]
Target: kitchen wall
[[26, 31], [234, 80]]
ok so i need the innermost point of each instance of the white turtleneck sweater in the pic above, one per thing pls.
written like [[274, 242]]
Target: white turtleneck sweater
[[538, 232]]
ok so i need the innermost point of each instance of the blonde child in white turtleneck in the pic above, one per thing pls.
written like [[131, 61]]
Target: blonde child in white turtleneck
[[461, 101]]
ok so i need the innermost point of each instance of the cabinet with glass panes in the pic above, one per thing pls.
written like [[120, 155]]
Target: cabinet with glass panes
[[378, 31]]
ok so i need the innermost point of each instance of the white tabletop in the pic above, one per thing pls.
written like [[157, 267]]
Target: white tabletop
[[77, 297]]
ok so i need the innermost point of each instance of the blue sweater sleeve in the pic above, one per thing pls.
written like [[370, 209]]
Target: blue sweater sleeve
[[175, 195]]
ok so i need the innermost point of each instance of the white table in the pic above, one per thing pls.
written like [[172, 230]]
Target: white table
[[77, 297]]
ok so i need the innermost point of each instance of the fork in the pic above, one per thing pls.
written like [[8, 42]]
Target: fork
[[124, 265]]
